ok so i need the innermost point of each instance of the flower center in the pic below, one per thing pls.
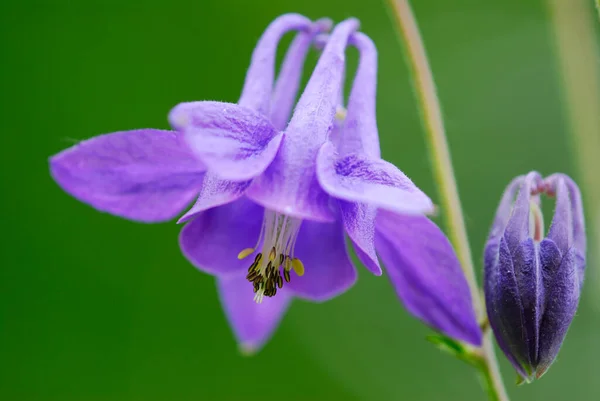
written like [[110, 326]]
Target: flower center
[[278, 237]]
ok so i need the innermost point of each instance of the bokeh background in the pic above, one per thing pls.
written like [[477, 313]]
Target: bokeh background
[[93, 307]]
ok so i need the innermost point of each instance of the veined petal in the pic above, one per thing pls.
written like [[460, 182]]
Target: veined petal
[[568, 205], [288, 80], [235, 142], [335, 135], [528, 275], [252, 324], [563, 287], [504, 209], [288, 185], [359, 224], [371, 181], [360, 136], [426, 274], [517, 228], [579, 237], [215, 192], [328, 270], [504, 307], [258, 85], [213, 239], [147, 175], [360, 129], [568, 225]]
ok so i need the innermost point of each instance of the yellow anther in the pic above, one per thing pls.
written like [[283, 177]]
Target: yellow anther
[[298, 267], [245, 252], [272, 254], [340, 113]]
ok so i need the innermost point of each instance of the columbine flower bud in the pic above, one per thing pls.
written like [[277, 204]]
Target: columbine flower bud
[[533, 280]]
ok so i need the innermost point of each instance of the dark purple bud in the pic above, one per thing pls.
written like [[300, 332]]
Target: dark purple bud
[[532, 280]]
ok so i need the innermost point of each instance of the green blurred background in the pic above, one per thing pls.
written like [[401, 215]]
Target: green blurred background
[[93, 307]]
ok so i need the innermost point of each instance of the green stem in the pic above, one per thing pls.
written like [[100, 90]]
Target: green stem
[[444, 174], [434, 127]]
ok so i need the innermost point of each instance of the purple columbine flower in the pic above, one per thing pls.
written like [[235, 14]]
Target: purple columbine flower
[[533, 280], [277, 198], [325, 179]]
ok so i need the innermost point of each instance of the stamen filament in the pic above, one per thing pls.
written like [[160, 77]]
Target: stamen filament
[[278, 236]]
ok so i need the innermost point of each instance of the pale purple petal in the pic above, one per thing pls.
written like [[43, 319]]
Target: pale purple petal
[[288, 80], [289, 184], [360, 137], [258, 85], [360, 129], [314, 204], [328, 270], [213, 239], [371, 181], [359, 223], [426, 274], [147, 175], [252, 324], [335, 135], [215, 192], [235, 142]]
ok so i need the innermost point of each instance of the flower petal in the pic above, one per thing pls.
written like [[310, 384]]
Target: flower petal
[[579, 237], [517, 227], [371, 181], [568, 221], [289, 184], [213, 239], [258, 85], [360, 129], [235, 142], [252, 324], [504, 209], [328, 270], [147, 175], [215, 192], [290, 74], [567, 227], [314, 204], [563, 286], [502, 310], [426, 274], [359, 224]]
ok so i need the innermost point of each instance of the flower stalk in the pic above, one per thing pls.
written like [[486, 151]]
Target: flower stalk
[[444, 174]]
